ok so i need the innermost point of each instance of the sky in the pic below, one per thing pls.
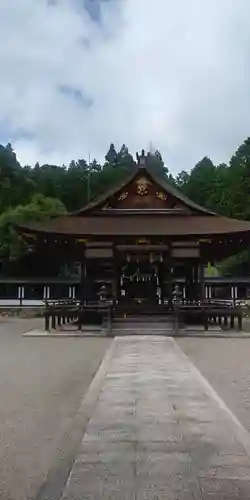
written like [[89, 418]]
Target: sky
[[77, 75]]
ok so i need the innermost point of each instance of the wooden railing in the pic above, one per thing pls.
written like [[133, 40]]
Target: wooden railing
[[62, 312], [222, 313], [32, 292]]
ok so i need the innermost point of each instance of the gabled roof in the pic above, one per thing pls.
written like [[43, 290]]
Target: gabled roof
[[142, 168], [188, 220], [161, 225], [104, 197]]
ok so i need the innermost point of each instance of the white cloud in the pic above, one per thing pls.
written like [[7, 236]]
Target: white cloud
[[174, 73]]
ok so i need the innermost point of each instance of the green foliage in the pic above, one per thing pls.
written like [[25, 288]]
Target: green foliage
[[211, 271], [199, 185], [224, 189], [236, 265], [39, 209], [182, 180], [156, 163], [111, 156]]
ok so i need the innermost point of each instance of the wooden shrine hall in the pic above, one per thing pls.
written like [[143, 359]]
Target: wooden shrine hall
[[138, 240]]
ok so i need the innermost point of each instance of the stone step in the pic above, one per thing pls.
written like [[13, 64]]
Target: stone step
[[138, 319], [124, 333], [145, 326], [142, 319]]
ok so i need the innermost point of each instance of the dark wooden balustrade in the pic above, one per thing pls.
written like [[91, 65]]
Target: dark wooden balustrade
[[211, 312], [62, 312], [63, 305], [28, 292]]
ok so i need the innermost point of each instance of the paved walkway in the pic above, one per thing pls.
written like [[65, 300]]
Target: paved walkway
[[159, 432]]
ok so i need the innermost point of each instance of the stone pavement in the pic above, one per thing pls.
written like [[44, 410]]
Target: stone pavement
[[159, 432]]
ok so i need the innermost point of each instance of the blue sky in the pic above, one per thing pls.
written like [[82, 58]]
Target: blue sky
[[79, 74]]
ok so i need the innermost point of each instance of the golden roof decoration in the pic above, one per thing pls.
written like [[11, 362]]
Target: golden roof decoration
[[81, 240], [141, 241], [123, 196], [142, 186], [161, 196]]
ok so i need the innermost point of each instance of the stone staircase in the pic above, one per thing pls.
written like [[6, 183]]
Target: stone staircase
[[141, 325]]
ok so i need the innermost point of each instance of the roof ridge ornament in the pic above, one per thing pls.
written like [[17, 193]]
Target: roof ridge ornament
[[141, 159]]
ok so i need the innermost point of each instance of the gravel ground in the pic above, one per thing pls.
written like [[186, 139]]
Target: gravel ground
[[225, 363], [42, 383]]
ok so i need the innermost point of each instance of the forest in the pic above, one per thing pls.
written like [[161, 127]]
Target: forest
[[38, 192]]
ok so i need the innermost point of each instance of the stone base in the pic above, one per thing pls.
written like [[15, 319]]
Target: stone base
[[62, 333], [183, 332]]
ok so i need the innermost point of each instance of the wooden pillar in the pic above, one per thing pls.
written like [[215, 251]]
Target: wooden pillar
[[83, 294], [170, 266], [189, 280], [196, 291], [162, 276], [117, 275], [202, 286]]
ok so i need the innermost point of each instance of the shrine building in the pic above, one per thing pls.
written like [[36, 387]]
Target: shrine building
[[139, 239]]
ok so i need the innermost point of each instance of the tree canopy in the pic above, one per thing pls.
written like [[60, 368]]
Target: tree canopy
[[39, 209], [40, 191]]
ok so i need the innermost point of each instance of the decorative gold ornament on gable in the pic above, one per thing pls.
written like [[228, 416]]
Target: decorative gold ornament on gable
[[123, 196], [81, 240], [142, 186], [142, 241], [161, 196]]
